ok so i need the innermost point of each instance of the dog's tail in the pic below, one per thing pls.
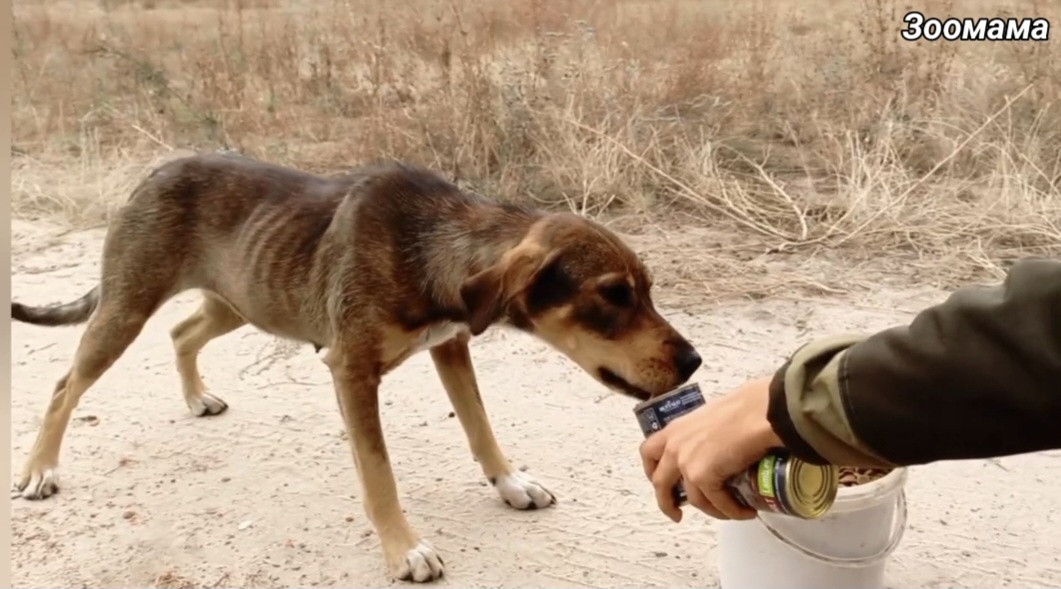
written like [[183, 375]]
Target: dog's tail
[[64, 314]]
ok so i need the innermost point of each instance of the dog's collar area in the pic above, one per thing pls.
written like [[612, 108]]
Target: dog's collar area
[[614, 380]]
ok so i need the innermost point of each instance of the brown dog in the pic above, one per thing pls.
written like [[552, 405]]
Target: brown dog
[[374, 266]]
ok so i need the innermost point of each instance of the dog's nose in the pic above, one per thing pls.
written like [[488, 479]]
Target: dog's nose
[[687, 361]]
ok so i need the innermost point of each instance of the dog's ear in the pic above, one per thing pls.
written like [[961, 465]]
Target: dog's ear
[[482, 296], [487, 293]]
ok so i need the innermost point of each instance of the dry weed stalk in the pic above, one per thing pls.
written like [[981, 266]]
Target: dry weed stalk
[[804, 126]]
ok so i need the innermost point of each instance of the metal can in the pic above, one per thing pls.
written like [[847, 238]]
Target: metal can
[[784, 484], [655, 413], [779, 482]]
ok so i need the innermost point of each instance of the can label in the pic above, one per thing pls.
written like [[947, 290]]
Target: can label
[[762, 486], [654, 415]]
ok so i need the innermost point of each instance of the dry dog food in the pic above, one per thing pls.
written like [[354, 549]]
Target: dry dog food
[[852, 476]]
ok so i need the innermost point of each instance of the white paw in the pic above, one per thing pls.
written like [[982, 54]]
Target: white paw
[[420, 564], [37, 484], [519, 490], [206, 404]]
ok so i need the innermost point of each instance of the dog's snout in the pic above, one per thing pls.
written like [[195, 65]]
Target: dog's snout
[[686, 360]]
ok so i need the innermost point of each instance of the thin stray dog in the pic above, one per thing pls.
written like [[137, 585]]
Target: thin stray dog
[[371, 266]]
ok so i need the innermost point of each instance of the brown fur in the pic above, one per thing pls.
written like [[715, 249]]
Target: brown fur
[[374, 266]]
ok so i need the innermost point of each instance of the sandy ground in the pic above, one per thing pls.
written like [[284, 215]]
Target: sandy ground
[[266, 494]]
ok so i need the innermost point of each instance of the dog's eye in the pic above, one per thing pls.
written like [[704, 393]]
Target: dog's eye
[[620, 294]]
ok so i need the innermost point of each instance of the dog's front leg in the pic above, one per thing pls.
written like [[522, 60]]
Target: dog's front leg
[[519, 490], [408, 556]]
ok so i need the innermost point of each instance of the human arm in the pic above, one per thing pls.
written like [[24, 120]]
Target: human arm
[[978, 375]]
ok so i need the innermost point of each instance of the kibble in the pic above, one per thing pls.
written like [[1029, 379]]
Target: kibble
[[852, 476]]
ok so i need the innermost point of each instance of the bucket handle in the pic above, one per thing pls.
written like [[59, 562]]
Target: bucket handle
[[898, 527]]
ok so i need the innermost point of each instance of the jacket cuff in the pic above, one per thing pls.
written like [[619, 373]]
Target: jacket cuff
[[782, 424], [813, 418]]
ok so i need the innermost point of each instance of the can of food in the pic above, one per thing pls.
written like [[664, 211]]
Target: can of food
[[655, 413], [784, 484], [780, 482]]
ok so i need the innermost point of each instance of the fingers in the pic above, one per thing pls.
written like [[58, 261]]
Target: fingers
[[700, 501], [652, 449], [724, 502], [648, 462], [663, 472], [663, 480]]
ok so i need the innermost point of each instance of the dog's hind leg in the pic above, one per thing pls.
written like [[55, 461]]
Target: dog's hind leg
[[114, 326], [357, 378], [213, 319], [453, 362]]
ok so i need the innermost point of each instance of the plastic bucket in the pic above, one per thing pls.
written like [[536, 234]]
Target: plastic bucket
[[847, 548]]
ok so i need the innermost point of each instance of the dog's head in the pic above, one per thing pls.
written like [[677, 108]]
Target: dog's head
[[578, 287]]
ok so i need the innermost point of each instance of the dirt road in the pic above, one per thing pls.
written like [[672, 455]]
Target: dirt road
[[266, 495]]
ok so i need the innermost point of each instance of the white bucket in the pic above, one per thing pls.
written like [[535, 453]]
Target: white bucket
[[847, 548]]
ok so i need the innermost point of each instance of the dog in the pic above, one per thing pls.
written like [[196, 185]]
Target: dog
[[370, 267]]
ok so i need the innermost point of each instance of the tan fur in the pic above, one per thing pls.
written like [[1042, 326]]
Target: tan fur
[[374, 265]]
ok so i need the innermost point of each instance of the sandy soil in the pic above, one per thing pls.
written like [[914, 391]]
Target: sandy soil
[[266, 494]]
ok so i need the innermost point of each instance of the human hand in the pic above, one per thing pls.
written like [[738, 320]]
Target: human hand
[[708, 445]]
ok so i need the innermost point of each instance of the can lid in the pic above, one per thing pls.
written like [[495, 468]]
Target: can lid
[[659, 399], [812, 488]]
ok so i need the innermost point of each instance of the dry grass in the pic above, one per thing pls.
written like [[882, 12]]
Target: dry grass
[[793, 126]]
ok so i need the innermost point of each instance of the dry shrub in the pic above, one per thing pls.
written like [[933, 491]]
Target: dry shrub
[[800, 123]]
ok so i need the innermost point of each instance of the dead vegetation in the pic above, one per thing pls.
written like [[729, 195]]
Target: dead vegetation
[[799, 128]]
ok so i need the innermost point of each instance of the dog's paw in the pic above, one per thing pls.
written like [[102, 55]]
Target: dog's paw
[[519, 490], [36, 484], [420, 564], [206, 404]]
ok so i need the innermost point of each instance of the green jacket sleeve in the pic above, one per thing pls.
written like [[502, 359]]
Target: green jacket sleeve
[[976, 376]]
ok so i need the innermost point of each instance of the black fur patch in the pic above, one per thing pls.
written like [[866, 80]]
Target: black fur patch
[[605, 321], [552, 288]]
